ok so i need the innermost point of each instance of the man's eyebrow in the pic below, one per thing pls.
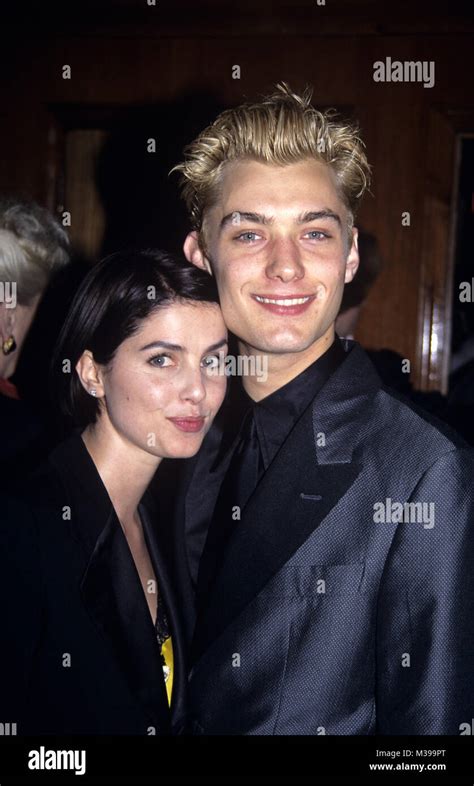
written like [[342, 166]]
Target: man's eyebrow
[[242, 215], [237, 216], [178, 348], [315, 215]]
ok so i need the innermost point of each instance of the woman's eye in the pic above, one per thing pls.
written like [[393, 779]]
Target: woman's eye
[[247, 237], [212, 361], [161, 361], [316, 234]]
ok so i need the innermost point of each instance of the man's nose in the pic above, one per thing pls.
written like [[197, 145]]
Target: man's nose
[[285, 261]]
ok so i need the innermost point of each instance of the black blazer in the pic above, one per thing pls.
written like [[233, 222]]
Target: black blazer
[[329, 615], [78, 650]]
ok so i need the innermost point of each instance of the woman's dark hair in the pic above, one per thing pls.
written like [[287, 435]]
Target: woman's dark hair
[[112, 300]]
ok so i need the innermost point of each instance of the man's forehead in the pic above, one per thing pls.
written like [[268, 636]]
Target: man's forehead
[[244, 169], [241, 200], [254, 182]]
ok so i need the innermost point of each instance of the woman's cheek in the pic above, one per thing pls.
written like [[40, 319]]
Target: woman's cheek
[[161, 393], [215, 391]]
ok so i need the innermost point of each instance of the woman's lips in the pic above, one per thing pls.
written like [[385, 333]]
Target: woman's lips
[[289, 305], [188, 424]]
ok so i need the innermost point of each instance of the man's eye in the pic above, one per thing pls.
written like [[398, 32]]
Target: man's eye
[[161, 361], [247, 237], [316, 234]]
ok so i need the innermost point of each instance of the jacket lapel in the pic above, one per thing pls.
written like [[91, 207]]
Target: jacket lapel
[[111, 588], [201, 490], [311, 472], [149, 517], [113, 596]]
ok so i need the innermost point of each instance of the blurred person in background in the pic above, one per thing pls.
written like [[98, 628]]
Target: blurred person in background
[[389, 364], [33, 247], [461, 377]]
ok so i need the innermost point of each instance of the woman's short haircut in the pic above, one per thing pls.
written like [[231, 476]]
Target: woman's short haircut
[[33, 246], [113, 299], [282, 128]]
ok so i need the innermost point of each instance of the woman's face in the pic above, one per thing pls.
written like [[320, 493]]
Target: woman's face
[[162, 388]]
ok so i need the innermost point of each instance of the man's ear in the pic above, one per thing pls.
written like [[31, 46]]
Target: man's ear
[[194, 253], [352, 261]]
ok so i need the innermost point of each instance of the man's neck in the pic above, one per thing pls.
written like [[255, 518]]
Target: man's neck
[[282, 368]]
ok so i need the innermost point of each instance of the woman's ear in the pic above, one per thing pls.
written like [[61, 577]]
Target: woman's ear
[[90, 374], [194, 253]]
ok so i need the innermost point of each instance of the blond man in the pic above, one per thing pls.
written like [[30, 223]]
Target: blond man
[[325, 534]]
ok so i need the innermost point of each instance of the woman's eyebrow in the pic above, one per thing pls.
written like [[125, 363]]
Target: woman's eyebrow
[[218, 345], [164, 344], [178, 348]]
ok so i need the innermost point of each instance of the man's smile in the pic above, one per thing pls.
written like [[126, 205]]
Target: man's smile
[[290, 305]]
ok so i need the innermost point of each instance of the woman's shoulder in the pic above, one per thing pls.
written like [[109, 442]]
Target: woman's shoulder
[[44, 515], [63, 498]]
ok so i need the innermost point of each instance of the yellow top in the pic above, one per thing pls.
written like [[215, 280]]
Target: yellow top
[[167, 652]]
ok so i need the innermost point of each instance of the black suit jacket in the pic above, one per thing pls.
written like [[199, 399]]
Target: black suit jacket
[[78, 648], [329, 616]]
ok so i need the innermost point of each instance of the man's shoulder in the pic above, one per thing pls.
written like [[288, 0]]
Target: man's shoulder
[[400, 413], [416, 424], [404, 441], [376, 425]]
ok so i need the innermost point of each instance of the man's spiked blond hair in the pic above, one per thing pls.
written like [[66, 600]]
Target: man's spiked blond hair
[[282, 128]]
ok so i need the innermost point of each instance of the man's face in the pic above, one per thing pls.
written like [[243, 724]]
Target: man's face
[[278, 233]]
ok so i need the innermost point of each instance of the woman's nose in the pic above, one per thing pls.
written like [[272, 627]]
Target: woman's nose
[[193, 388]]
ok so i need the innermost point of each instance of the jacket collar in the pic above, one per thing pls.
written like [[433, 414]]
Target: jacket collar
[[111, 588], [313, 469]]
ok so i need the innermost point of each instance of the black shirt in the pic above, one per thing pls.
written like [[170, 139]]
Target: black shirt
[[276, 414], [264, 426]]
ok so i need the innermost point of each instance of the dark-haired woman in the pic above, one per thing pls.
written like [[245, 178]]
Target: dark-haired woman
[[90, 631]]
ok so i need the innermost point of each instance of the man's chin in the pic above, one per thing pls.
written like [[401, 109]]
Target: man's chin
[[281, 346]]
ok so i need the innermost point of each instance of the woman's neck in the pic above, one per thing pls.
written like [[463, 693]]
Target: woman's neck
[[125, 470]]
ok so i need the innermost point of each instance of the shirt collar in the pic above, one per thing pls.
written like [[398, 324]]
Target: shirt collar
[[276, 414]]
